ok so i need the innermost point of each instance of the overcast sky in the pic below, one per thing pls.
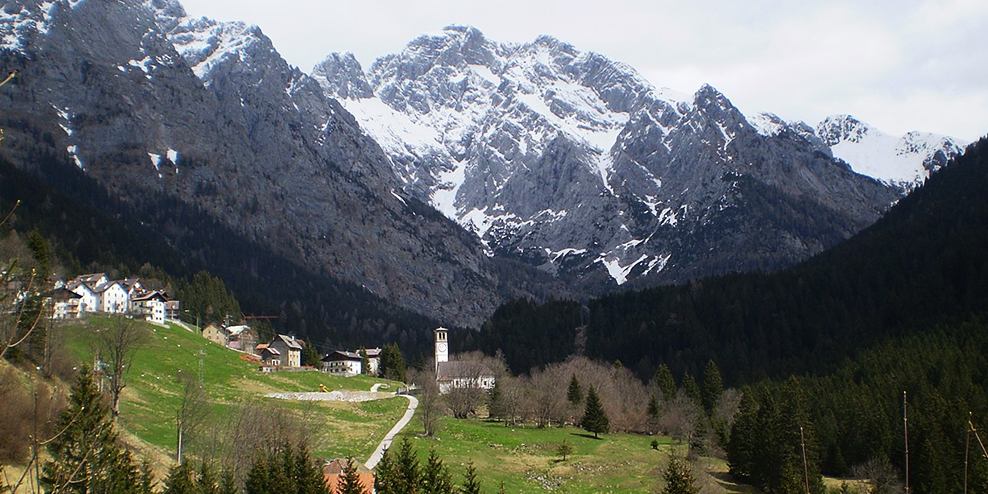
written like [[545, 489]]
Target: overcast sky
[[899, 65]]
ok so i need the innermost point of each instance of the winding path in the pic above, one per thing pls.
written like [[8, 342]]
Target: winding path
[[375, 457]]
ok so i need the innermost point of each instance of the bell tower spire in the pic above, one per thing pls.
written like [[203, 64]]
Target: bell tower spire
[[442, 346]]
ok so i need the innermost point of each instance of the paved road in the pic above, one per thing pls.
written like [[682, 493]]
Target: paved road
[[413, 403]]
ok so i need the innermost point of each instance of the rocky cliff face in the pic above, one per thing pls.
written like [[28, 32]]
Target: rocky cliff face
[[147, 100], [576, 164]]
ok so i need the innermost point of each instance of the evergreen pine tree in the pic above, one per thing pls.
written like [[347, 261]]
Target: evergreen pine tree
[[84, 457], [741, 447], [679, 477], [407, 472], [310, 356], [206, 481], [470, 483], [713, 387], [349, 482], [653, 408], [665, 382], [259, 478], [691, 389], [180, 480], [145, 479], [436, 478], [495, 402], [575, 392], [594, 417], [309, 477], [385, 475], [228, 483], [364, 361]]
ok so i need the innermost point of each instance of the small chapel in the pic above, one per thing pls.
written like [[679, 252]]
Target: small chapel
[[451, 374]]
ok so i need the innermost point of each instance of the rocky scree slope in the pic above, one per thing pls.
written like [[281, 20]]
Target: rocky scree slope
[[576, 164]]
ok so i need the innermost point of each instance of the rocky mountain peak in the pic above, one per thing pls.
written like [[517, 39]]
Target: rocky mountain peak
[[841, 128], [342, 75]]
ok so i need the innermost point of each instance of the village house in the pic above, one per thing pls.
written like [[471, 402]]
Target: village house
[[149, 306], [347, 363], [458, 374], [241, 338], [67, 304], [342, 363], [112, 298], [215, 333], [288, 349], [97, 293], [270, 356]]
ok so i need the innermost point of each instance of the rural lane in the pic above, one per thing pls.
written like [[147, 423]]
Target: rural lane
[[413, 403]]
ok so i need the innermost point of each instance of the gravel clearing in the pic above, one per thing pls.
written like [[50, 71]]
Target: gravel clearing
[[351, 396]]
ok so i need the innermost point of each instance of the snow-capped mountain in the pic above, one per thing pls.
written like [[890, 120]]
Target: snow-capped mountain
[[154, 104], [902, 162], [578, 165]]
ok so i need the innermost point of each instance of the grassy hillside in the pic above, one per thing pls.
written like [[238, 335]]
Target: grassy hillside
[[525, 458], [152, 396]]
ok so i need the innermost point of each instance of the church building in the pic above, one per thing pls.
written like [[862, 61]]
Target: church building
[[452, 374]]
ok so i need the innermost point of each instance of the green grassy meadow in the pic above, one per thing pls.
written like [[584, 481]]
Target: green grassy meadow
[[151, 399], [525, 458]]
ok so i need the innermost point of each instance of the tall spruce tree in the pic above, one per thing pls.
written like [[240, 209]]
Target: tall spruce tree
[[349, 482], [575, 392], [180, 480], [665, 382], [691, 389], [470, 483], [594, 417], [436, 478], [84, 457], [713, 387], [679, 477], [385, 474], [407, 472]]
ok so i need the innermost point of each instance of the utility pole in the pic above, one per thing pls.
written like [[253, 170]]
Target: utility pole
[[905, 432], [806, 469], [967, 446], [202, 355]]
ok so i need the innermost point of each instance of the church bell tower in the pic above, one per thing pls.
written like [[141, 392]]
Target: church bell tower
[[442, 346]]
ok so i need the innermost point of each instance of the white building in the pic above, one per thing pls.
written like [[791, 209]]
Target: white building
[[113, 298], [342, 363], [149, 306], [452, 374]]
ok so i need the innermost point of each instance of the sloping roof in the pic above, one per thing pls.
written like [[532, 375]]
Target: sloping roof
[[129, 283], [292, 343], [148, 296], [340, 355], [237, 330], [271, 350], [63, 294], [457, 369], [373, 352]]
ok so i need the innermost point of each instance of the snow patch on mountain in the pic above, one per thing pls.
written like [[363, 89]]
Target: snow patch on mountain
[[904, 161]]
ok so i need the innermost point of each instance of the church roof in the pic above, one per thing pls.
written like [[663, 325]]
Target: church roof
[[462, 369]]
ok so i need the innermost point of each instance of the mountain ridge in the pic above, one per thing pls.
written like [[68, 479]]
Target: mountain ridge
[[502, 137]]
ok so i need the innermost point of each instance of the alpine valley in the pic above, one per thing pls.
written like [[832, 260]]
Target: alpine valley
[[445, 180]]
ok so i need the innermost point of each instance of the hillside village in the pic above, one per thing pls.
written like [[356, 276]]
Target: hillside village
[[96, 293]]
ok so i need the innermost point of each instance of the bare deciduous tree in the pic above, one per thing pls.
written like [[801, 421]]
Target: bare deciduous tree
[[193, 411], [116, 345], [431, 408]]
